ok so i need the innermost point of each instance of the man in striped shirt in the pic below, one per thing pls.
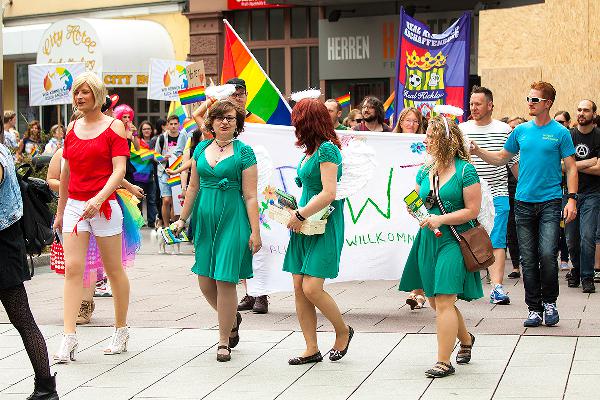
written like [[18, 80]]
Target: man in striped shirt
[[491, 134]]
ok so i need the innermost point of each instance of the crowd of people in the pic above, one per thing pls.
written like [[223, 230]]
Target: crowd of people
[[541, 176]]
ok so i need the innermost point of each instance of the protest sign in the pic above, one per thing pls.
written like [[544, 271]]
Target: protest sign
[[432, 68], [378, 230], [52, 83], [166, 79]]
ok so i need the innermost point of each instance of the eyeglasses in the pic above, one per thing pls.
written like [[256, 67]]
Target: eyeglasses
[[410, 121], [535, 100], [238, 95], [228, 119]]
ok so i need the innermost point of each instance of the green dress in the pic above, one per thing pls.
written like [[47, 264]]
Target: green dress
[[219, 222], [436, 264], [317, 255]]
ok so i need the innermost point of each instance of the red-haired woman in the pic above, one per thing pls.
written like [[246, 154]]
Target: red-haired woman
[[312, 259]]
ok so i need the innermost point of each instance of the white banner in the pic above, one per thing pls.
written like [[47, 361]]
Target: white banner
[[166, 79], [52, 83], [378, 230]]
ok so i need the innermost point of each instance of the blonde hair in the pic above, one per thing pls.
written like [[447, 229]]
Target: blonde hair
[[96, 85], [443, 148], [404, 113]]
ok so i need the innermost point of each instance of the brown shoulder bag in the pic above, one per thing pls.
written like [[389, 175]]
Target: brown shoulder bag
[[475, 243]]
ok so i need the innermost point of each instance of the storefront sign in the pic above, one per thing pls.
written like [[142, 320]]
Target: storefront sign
[[125, 80], [248, 4], [71, 40], [52, 83], [167, 78], [358, 47]]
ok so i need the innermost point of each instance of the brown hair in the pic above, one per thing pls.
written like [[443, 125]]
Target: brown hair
[[444, 149], [547, 89], [313, 125], [172, 116], [28, 133], [377, 104], [404, 113], [219, 109]]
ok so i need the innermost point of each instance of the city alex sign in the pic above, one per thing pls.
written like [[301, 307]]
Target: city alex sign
[[358, 47], [71, 40]]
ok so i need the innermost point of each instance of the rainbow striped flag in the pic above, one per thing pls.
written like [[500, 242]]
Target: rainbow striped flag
[[192, 95], [176, 108], [177, 163], [190, 126], [174, 181], [344, 100], [264, 99], [388, 106]]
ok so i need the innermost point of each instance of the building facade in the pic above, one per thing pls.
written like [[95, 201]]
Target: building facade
[[115, 38]]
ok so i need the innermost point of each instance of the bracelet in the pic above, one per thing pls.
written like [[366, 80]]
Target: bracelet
[[300, 217]]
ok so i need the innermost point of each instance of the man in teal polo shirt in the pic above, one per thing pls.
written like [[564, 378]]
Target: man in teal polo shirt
[[542, 144]]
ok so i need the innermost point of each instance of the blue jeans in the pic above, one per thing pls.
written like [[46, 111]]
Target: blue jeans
[[150, 192], [538, 229], [581, 235]]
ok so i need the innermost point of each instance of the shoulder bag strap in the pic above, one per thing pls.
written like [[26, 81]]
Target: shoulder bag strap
[[436, 191]]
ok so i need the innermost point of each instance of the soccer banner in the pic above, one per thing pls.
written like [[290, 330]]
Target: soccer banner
[[432, 68], [379, 232], [166, 78], [52, 83]]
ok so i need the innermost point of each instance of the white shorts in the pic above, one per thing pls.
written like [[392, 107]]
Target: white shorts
[[98, 224]]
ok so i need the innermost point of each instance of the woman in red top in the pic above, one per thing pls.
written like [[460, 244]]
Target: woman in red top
[[95, 152]]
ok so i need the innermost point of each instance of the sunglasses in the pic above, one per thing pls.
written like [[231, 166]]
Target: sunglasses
[[535, 100], [430, 200], [359, 120], [560, 121]]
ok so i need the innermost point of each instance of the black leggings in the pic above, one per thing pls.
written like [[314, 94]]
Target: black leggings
[[14, 300]]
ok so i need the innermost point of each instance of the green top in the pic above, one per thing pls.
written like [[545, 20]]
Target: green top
[[341, 127]]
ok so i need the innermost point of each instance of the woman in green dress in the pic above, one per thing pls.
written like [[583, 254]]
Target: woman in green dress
[[312, 258], [436, 264], [221, 199]]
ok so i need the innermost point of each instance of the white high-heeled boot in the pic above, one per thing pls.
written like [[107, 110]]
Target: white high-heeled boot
[[68, 348], [118, 343]]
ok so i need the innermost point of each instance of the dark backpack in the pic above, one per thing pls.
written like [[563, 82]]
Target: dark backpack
[[36, 223]]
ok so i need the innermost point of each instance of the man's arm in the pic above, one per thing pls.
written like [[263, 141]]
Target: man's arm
[[594, 169], [498, 158]]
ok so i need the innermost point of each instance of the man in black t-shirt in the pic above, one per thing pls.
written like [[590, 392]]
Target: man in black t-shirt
[[581, 232]]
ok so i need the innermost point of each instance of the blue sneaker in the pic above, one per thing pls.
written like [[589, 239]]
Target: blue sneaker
[[497, 295], [550, 314], [533, 320]]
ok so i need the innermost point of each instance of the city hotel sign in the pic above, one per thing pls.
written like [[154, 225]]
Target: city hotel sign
[[358, 47], [71, 40]]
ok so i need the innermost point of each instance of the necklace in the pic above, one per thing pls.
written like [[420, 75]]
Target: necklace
[[221, 149]]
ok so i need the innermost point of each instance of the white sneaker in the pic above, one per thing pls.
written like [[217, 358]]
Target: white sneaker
[[564, 266], [103, 289]]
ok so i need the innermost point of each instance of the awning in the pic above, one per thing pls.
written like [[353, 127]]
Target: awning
[[117, 49], [22, 40]]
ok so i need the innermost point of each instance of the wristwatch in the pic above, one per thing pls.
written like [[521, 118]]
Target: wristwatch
[[572, 196]]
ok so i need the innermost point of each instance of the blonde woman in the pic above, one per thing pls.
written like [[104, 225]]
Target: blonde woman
[[95, 152], [436, 264], [410, 120]]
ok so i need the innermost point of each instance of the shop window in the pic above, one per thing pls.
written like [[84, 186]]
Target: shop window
[[276, 24], [24, 111], [314, 22], [241, 24], [299, 69], [258, 27], [277, 67], [261, 57], [155, 106], [314, 67], [299, 21]]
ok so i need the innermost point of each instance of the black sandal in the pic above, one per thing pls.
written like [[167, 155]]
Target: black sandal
[[440, 370], [233, 341], [317, 357], [223, 357], [464, 353]]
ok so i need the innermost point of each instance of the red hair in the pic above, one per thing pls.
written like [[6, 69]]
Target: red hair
[[313, 125]]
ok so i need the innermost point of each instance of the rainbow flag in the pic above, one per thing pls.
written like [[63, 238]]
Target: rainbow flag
[[141, 161], [177, 163], [344, 100], [192, 95], [190, 126], [264, 99], [388, 106], [176, 108], [174, 181]]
